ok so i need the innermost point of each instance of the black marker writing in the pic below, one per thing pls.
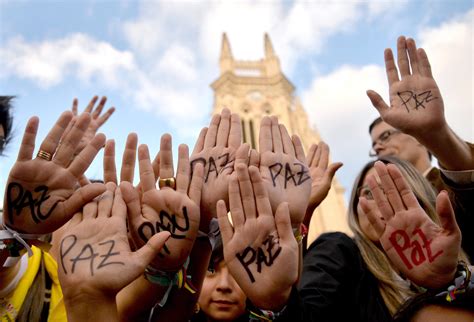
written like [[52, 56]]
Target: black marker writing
[[296, 177], [261, 256], [24, 199], [419, 99]]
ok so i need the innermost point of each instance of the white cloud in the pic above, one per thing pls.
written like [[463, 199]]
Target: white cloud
[[177, 62], [450, 50], [338, 105], [49, 62]]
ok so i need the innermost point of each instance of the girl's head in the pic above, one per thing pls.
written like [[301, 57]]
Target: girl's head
[[393, 288], [221, 298], [358, 221]]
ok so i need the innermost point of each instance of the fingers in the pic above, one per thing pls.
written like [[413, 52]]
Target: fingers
[[283, 224], [235, 202], [288, 147], [331, 171], [378, 102], [84, 159], [246, 192], [380, 199], [166, 157], [51, 141], [75, 103], [95, 114], [211, 135], [403, 63], [195, 187], [151, 249], [147, 177], [80, 197], [91, 104], [106, 201], [424, 63], [373, 215], [389, 188], [110, 171], [129, 158], [446, 214], [183, 171], [69, 144], [235, 133], [200, 141], [276, 135], [119, 208], [89, 211], [101, 120], [28, 142], [310, 158], [224, 128], [242, 154], [390, 67], [260, 192], [254, 158], [224, 225], [323, 156], [132, 200], [265, 141], [411, 46], [404, 190], [299, 150], [156, 166]]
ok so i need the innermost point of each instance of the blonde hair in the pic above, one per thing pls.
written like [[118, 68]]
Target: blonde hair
[[394, 289]]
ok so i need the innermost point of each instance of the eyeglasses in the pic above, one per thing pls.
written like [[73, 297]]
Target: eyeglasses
[[364, 191], [383, 138]]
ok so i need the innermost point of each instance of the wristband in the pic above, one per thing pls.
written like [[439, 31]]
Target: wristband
[[300, 233], [463, 281], [180, 279]]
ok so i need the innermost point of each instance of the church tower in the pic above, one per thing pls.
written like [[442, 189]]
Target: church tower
[[257, 88]]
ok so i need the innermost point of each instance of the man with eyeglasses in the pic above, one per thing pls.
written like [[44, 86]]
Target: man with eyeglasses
[[414, 126]]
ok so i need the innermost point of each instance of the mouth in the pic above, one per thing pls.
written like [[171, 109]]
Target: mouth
[[223, 303]]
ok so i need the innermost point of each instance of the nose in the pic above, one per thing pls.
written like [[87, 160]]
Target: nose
[[378, 147], [224, 283]]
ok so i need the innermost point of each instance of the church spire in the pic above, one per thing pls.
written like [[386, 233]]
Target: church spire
[[226, 60], [269, 52]]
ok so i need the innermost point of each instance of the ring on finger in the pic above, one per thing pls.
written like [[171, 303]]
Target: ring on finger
[[167, 182], [44, 155]]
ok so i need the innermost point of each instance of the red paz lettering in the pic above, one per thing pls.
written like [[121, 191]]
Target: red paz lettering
[[401, 242]]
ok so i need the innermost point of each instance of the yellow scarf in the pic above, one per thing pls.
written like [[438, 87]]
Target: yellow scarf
[[10, 306]]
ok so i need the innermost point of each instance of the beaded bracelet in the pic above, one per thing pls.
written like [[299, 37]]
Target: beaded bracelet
[[264, 315], [300, 233], [463, 281]]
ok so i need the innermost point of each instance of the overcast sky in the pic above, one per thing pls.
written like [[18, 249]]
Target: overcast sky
[[154, 60]]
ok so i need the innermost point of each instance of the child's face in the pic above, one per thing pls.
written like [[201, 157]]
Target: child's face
[[221, 297]]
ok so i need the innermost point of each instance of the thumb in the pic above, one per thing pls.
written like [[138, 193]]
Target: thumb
[[283, 223], [445, 211], [151, 249], [333, 167], [82, 196], [378, 102]]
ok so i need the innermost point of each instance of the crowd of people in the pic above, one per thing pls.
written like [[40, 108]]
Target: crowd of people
[[222, 237]]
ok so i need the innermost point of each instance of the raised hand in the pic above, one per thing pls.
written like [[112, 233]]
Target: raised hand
[[259, 249], [216, 149], [95, 260], [416, 106], [321, 176], [41, 193], [97, 120], [283, 168], [167, 209], [425, 252]]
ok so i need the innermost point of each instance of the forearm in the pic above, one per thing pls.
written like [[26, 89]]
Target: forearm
[[451, 151]]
